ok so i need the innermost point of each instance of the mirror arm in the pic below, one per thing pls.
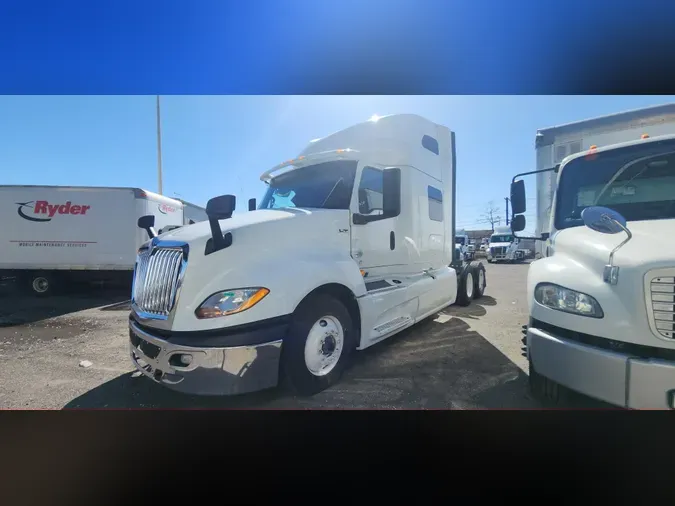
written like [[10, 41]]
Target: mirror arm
[[555, 169]]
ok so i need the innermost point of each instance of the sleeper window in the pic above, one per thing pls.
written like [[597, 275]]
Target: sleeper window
[[435, 204]]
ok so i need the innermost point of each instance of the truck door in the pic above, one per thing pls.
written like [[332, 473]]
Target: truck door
[[376, 246]]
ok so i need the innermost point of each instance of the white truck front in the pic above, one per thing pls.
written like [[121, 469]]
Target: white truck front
[[350, 244], [503, 246], [602, 303], [462, 246]]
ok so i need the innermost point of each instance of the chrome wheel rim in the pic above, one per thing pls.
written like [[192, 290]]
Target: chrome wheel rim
[[324, 345], [469, 285], [40, 285]]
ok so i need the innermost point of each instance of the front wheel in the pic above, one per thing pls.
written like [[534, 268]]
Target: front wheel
[[320, 340]]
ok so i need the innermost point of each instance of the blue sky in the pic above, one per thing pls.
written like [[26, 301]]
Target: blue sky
[[221, 144]]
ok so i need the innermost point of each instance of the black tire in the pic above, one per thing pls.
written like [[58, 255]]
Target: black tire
[[547, 391], [489, 260], [464, 282], [479, 280], [39, 284], [294, 369]]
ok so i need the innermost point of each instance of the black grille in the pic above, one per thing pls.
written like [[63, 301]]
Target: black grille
[[149, 349]]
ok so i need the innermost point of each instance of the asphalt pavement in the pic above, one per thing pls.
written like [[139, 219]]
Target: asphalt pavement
[[463, 358]]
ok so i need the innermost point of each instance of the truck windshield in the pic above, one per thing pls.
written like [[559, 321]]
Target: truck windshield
[[459, 240], [637, 181], [501, 238], [325, 185]]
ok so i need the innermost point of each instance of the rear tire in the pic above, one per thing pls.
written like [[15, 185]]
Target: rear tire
[[479, 279], [465, 286], [39, 284], [320, 340]]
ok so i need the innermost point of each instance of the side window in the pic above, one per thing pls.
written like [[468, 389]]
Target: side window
[[430, 143], [370, 191], [435, 204]]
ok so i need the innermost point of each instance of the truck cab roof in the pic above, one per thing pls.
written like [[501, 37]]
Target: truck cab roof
[[397, 140]]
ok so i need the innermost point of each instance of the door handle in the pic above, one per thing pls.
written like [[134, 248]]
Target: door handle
[[392, 240]]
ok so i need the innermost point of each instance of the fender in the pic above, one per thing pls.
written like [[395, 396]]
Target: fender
[[289, 283]]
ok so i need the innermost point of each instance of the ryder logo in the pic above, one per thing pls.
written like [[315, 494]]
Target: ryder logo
[[44, 211], [165, 209]]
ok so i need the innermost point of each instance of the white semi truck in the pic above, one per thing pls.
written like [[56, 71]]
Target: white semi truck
[[54, 235], [352, 242], [602, 299], [503, 246]]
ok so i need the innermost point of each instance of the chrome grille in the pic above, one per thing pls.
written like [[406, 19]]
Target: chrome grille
[[156, 280], [500, 250], [662, 299]]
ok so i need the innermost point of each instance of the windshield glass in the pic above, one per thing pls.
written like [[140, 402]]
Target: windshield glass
[[325, 185], [459, 240], [637, 181], [501, 238]]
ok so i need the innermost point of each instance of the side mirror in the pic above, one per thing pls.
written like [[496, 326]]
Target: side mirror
[[147, 223], [221, 208], [251, 204], [391, 192], [518, 201], [603, 220], [518, 223]]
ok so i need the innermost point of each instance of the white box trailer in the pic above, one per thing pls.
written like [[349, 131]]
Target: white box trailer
[[192, 213], [55, 234], [554, 144]]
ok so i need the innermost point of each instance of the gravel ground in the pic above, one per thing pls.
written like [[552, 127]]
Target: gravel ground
[[473, 359]]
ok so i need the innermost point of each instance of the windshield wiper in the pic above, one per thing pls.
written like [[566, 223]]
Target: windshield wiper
[[331, 192], [618, 174]]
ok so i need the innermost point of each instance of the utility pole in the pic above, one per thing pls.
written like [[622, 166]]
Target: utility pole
[[159, 150], [507, 210]]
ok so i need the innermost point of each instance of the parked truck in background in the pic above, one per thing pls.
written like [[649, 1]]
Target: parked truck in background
[[602, 298], [462, 245], [54, 235], [352, 242], [553, 144], [503, 247]]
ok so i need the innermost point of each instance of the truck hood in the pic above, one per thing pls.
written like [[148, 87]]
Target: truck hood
[[499, 244], [201, 232], [651, 245], [266, 246], [577, 263]]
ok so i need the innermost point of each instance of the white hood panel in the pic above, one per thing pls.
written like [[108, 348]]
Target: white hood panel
[[577, 263]]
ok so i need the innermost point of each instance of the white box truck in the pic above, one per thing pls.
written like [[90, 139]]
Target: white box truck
[[602, 298], [352, 242], [192, 213], [553, 144], [58, 234]]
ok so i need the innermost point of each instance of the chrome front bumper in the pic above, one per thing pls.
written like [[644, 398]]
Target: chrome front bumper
[[212, 371], [608, 376]]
